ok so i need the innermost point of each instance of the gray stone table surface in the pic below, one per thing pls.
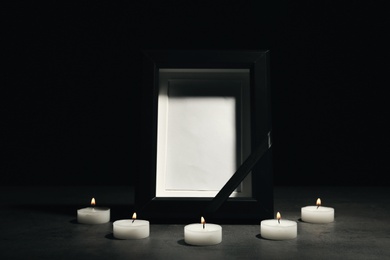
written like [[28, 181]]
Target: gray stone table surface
[[40, 223]]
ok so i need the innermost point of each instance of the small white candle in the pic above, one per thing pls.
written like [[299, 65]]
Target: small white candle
[[93, 215], [202, 234], [278, 229], [131, 228], [317, 214]]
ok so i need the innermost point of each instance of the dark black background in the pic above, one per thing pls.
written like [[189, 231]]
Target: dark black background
[[73, 111]]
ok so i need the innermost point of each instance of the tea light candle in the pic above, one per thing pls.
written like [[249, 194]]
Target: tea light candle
[[317, 214], [278, 229], [202, 234], [131, 228], [93, 215]]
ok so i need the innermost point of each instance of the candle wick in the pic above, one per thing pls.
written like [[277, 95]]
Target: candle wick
[[133, 220], [279, 221], [318, 206], [204, 225]]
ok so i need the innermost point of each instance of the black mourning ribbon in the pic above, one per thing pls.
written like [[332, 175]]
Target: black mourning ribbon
[[238, 176]]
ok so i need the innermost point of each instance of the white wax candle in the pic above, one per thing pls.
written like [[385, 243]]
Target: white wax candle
[[93, 215], [317, 214], [127, 229], [278, 229], [202, 234], [131, 228]]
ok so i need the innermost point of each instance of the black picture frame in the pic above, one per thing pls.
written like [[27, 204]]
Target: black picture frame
[[221, 208]]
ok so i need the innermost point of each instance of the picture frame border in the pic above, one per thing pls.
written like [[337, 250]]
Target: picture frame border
[[178, 210]]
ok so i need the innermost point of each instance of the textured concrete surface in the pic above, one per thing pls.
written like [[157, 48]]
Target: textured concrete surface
[[40, 223]]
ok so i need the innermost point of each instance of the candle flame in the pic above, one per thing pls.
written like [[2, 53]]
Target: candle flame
[[278, 216], [134, 217], [203, 222], [93, 202], [318, 203]]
